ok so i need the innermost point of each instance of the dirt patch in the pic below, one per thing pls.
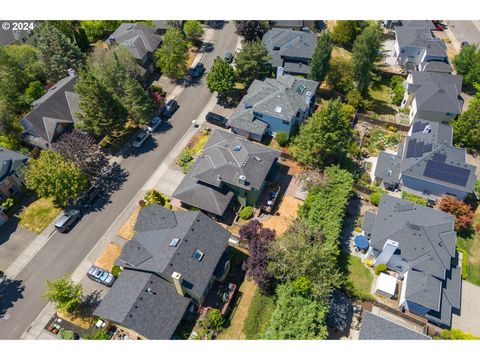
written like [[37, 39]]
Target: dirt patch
[[294, 168], [239, 313], [285, 215], [126, 231], [108, 257], [84, 322]]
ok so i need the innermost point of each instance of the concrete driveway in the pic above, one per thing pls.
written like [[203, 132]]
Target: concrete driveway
[[469, 319], [13, 241]]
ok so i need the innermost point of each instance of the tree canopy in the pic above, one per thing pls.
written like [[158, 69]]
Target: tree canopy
[[193, 30], [97, 29], [252, 62], [463, 212], [321, 57], [466, 129], [340, 74], [65, 293], [221, 77], [172, 55], [467, 63], [346, 31], [251, 30]]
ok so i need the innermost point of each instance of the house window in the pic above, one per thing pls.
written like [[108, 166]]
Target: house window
[[13, 190]]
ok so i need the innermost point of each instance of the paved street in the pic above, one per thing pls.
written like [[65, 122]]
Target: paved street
[[21, 302], [464, 30]]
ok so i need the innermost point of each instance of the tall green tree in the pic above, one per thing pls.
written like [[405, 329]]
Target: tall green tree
[[466, 129], [137, 102], [345, 32], [340, 74], [252, 62], [73, 30], [34, 91], [51, 176], [172, 55], [364, 54], [65, 293], [27, 58], [467, 63], [321, 57], [251, 30], [57, 52], [193, 30], [297, 317], [221, 77], [100, 112], [325, 137], [97, 29], [13, 83]]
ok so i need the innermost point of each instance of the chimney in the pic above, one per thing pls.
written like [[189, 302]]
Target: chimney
[[242, 179], [279, 72], [308, 98], [177, 282], [111, 39], [71, 72]]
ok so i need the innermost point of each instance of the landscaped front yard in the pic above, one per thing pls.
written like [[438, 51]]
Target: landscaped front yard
[[38, 215], [191, 151]]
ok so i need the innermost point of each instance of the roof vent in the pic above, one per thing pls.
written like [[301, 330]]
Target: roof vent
[[219, 177], [174, 242], [248, 105], [242, 179], [389, 172], [427, 129], [257, 158], [278, 109], [237, 148]]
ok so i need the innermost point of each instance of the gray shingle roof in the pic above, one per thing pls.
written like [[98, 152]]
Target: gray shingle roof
[[388, 167], [287, 93], [374, 327], [423, 289], [420, 38], [10, 161], [418, 24], [368, 221], [224, 159], [58, 105], [436, 66], [137, 38]]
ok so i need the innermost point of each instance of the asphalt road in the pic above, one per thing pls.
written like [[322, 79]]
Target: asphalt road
[[466, 31], [64, 252]]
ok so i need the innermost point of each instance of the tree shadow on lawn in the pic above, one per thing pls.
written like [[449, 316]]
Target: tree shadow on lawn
[[10, 292]]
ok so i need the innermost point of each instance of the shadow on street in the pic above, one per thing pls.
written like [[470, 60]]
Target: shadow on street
[[10, 292]]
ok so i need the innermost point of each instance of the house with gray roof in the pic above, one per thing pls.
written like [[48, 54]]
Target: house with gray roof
[[140, 41], [231, 170], [375, 327], [414, 46], [171, 263], [14, 36], [52, 114], [290, 50], [12, 169], [434, 96], [274, 105], [427, 164], [419, 244]]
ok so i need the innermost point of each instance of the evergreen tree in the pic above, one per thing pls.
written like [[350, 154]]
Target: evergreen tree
[[345, 32], [252, 62], [321, 57], [364, 54], [137, 102], [172, 55]]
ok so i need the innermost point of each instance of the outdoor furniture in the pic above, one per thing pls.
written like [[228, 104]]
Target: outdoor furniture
[[361, 242]]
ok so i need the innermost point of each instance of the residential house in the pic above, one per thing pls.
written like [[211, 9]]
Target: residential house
[[141, 41], [375, 327], [434, 96], [52, 114], [290, 50], [413, 24], [414, 46], [274, 105], [427, 164], [230, 170], [12, 169], [419, 244], [14, 36], [171, 263], [296, 25], [161, 26]]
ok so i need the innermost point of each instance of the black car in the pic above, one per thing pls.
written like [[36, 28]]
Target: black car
[[229, 57], [197, 71], [216, 119], [170, 107]]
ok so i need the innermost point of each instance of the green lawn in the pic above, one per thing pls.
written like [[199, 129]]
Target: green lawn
[[360, 278], [38, 215], [258, 317], [381, 94], [470, 244]]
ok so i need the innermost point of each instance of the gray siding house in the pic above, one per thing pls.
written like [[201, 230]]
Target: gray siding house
[[427, 164], [419, 244], [274, 105], [172, 262]]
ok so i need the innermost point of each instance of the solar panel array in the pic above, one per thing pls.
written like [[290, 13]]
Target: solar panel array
[[418, 126], [437, 169], [417, 149]]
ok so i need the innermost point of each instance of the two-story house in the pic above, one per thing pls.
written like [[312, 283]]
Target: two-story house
[[427, 164], [231, 170], [291, 50], [171, 263], [419, 244], [141, 41], [12, 169], [433, 96], [274, 105], [52, 114]]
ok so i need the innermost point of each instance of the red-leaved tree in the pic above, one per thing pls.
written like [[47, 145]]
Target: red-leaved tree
[[463, 213]]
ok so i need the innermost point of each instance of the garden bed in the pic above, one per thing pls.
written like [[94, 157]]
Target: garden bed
[[192, 151]]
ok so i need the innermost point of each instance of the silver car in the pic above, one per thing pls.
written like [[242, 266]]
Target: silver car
[[101, 276], [154, 124], [140, 138]]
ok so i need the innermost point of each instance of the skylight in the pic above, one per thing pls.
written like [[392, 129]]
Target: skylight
[[174, 242], [278, 109], [198, 255], [237, 148]]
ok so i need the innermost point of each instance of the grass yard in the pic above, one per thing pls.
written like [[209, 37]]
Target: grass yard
[[471, 246], [258, 317], [359, 277], [38, 215]]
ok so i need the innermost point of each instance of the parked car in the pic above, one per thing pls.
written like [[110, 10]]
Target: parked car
[[154, 124], [463, 44], [229, 57], [140, 138], [67, 220], [170, 107], [101, 276], [216, 119], [197, 71]]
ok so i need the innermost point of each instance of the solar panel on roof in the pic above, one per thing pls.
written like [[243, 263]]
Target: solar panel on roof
[[411, 148], [447, 173]]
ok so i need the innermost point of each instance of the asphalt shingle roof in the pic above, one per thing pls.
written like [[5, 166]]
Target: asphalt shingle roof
[[374, 327], [137, 38], [436, 66], [10, 161], [418, 24]]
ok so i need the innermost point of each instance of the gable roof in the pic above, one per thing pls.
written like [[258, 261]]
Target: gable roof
[[58, 105], [420, 38], [224, 159], [10, 161], [374, 327], [418, 24], [137, 38], [280, 98], [436, 66]]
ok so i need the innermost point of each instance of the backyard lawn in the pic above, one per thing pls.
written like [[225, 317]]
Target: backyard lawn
[[471, 246], [258, 317], [38, 215], [360, 278]]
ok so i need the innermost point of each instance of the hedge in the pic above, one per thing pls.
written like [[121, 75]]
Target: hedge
[[246, 213], [282, 138], [414, 198], [375, 197]]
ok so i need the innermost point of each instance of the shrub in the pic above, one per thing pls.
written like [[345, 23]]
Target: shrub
[[414, 198], [116, 270], [355, 98], [100, 334], [380, 268], [246, 213], [375, 197], [66, 334], [369, 262], [456, 334], [156, 197], [214, 320], [463, 213], [282, 138], [396, 84], [8, 204], [392, 128]]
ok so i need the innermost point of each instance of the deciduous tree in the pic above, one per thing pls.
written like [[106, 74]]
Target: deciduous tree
[[252, 62], [221, 78], [467, 63], [34, 91], [252, 29], [340, 74], [193, 30], [321, 57], [172, 55], [345, 32], [463, 213], [466, 129], [97, 29], [65, 293]]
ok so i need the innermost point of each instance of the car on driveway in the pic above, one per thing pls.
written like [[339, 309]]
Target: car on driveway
[[101, 276], [67, 220], [140, 138], [197, 71], [154, 124], [229, 57], [170, 107], [217, 119]]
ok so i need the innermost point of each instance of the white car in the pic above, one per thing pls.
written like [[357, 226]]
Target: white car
[[140, 138], [154, 124]]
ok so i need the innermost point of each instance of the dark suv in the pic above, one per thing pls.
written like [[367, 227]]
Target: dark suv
[[216, 119], [170, 107]]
